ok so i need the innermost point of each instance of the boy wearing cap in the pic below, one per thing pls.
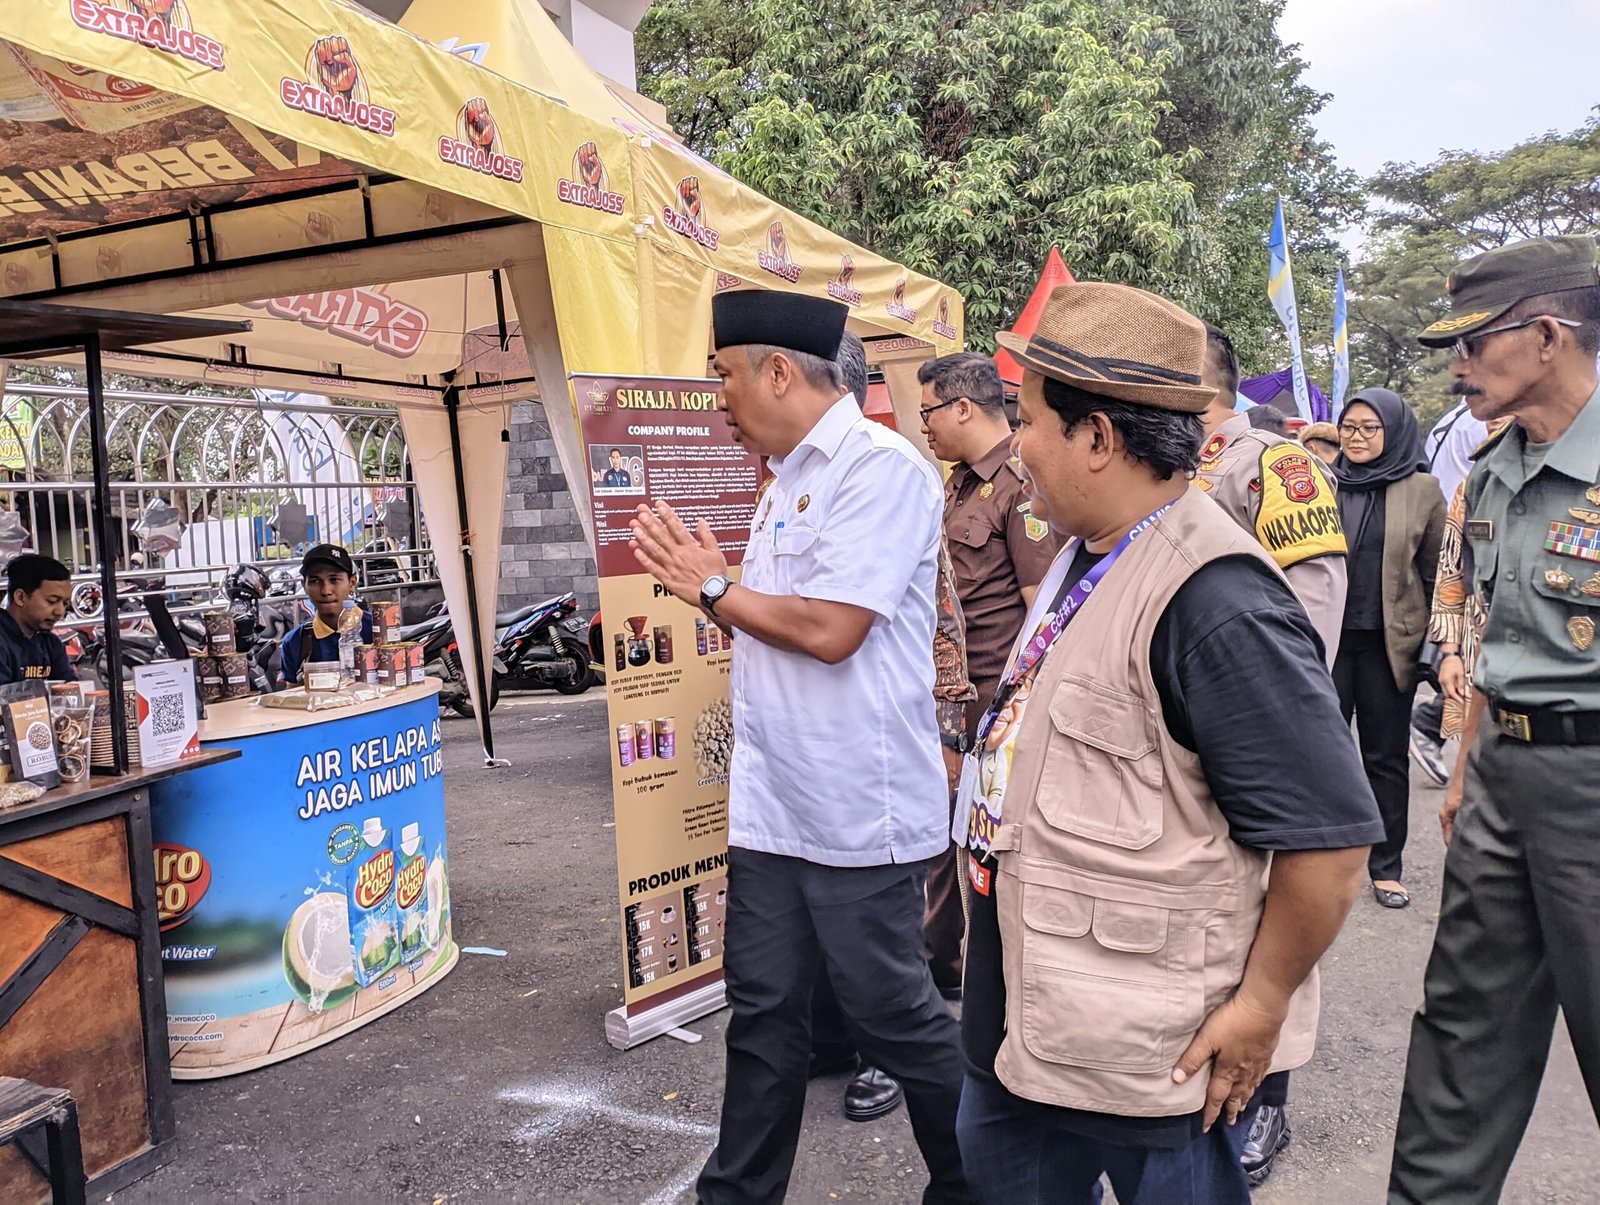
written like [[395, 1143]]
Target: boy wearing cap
[[328, 573], [1517, 938]]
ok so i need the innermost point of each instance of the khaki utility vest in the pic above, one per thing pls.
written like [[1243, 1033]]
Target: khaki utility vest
[[1126, 910]]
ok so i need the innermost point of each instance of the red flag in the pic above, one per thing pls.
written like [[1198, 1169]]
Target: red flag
[[1055, 273]]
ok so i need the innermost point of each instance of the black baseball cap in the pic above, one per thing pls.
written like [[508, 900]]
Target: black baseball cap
[[328, 554]]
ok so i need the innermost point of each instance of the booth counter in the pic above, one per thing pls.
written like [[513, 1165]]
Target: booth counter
[[303, 889]]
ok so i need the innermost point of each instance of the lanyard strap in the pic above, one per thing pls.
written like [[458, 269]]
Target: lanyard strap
[[1071, 603]]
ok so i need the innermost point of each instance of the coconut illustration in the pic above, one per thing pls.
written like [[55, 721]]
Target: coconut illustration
[[438, 911], [316, 952]]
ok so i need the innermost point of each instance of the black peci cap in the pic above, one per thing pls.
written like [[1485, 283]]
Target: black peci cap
[[792, 320], [332, 555]]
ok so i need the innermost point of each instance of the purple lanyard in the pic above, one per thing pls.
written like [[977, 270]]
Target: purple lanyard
[[1034, 651]]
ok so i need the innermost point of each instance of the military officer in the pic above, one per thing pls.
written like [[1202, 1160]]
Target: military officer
[[1517, 937], [1281, 493]]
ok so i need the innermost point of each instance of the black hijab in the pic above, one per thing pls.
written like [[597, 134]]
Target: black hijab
[[1402, 453]]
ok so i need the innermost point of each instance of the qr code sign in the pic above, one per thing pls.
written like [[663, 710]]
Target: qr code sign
[[166, 715]]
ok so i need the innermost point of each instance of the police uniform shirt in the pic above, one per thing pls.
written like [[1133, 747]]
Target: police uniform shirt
[[1283, 495], [997, 549], [324, 644], [840, 764], [1533, 524], [40, 656]]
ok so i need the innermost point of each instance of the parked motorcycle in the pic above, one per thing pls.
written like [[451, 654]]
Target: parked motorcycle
[[544, 645], [538, 647]]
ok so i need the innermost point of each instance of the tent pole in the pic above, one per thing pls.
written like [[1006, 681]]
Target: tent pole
[[105, 533], [452, 406]]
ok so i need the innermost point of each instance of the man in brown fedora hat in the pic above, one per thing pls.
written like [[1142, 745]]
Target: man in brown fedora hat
[[1151, 888]]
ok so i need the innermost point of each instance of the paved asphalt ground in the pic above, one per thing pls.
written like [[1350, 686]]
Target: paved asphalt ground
[[498, 1085]]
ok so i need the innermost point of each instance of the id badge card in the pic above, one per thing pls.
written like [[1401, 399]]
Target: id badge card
[[965, 791]]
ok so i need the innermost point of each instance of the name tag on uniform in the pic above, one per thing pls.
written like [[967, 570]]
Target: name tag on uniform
[[1480, 529]]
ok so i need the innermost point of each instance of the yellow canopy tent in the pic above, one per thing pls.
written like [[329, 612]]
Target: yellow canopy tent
[[440, 216]]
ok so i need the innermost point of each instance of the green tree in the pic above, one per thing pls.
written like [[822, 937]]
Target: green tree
[[1242, 120], [961, 141], [1437, 214]]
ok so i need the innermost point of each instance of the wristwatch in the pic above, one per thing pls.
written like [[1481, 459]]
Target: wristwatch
[[712, 590]]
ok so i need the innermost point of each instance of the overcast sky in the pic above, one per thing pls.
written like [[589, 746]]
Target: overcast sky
[[1413, 77]]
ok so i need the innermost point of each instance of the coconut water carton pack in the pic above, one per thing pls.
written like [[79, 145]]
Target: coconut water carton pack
[[374, 915], [411, 893]]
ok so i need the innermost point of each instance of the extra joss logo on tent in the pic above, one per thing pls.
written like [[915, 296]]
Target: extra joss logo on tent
[[777, 259], [588, 185], [335, 87], [477, 146], [839, 287], [897, 304], [941, 324], [688, 218], [182, 879], [363, 315], [159, 24]]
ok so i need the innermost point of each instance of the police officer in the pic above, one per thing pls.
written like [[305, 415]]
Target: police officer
[[1282, 494], [1517, 937], [38, 589]]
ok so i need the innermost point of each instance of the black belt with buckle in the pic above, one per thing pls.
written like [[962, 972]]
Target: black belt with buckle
[[1545, 726]]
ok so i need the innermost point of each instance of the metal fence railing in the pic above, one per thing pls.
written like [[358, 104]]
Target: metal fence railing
[[202, 484]]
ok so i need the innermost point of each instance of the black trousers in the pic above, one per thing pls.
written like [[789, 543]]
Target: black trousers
[[1517, 939], [1382, 710], [787, 918]]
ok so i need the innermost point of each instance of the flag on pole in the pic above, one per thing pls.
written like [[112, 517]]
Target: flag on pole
[[1055, 273], [1341, 346], [1280, 290]]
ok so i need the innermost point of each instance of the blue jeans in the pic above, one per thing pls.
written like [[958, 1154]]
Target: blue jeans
[[1013, 1159]]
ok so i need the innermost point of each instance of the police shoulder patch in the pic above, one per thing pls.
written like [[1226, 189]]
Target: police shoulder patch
[[1299, 515]]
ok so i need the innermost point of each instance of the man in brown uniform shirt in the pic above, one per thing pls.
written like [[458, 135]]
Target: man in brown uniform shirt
[[1000, 553]]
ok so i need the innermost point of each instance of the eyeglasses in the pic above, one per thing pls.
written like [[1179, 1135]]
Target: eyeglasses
[[1365, 430], [1466, 346], [924, 411]]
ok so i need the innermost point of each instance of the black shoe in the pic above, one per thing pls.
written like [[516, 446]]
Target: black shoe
[[1391, 899], [831, 1062], [871, 1094], [951, 995], [1269, 1134]]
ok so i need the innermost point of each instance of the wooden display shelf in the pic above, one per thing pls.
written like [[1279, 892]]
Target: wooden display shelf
[[82, 1006]]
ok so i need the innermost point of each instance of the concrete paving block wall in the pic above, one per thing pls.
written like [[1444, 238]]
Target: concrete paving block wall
[[542, 550]]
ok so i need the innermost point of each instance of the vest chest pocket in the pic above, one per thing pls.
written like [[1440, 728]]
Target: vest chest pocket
[[1101, 777], [1107, 985]]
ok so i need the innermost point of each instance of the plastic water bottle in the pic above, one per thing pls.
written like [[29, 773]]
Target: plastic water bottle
[[349, 637]]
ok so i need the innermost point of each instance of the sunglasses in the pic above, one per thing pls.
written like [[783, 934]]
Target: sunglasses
[[1467, 346]]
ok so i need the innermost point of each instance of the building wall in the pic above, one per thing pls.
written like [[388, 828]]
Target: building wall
[[542, 551]]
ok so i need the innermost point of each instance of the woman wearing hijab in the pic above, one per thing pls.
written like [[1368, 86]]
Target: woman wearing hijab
[[1393, 515]]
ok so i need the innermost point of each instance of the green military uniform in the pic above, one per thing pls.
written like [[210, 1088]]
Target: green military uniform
[[1519, 922]]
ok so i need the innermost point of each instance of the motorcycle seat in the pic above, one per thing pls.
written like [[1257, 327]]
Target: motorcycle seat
[[504, 619]]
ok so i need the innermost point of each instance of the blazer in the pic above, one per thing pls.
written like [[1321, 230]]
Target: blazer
[[1413, 530]]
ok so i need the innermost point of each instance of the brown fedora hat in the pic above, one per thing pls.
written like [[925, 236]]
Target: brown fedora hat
[[1119, 342]]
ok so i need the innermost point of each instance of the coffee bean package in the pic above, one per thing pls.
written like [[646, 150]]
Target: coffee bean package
[[33, 742]]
